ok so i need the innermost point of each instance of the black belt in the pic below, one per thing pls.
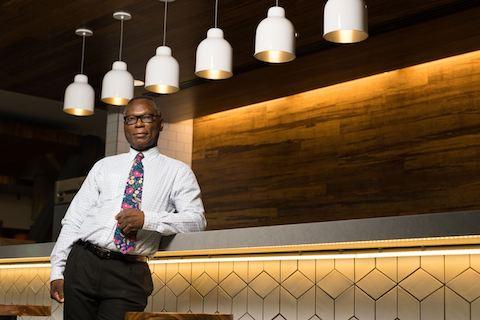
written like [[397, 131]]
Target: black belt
[[108, 254]]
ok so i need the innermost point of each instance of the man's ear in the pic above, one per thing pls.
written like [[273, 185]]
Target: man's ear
[[161, 125]]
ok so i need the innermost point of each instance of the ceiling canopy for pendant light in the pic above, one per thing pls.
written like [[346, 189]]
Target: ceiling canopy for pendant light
[[275, 37], [214, 54], [162, 73], [79, 97], [117, 85], [345, 21]]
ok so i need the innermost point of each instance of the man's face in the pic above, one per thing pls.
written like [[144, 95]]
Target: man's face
[[142, 136]]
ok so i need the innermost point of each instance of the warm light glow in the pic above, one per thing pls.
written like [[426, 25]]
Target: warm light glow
[[391, 244], [138, 83], [327, 255], [275, 56], [161, 88], [78, 112], [338, 94], [357, 255], [214, 74], [346, 36], [24, 265], [116, 101]]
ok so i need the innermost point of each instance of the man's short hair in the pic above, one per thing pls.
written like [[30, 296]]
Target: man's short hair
[[148, 98]]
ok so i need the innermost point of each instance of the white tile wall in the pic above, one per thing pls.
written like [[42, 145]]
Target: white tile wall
[[115, 141], [176, 140]]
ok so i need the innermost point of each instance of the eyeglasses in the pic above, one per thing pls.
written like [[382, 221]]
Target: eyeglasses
[[145, 118]]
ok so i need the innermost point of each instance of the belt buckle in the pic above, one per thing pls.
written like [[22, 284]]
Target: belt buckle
[[107, 254]]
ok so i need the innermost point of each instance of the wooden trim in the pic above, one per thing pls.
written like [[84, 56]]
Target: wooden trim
[[24, 310], [176, 316]]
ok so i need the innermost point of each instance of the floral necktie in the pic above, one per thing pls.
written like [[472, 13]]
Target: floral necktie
[[131, 199]]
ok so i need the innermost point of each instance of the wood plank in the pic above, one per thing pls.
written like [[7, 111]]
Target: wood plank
[[24, 310], [176, 316], [9, 242], [402, 142]]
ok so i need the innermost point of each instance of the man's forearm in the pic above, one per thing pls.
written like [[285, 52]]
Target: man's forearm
[[167, 223], [60, 252]]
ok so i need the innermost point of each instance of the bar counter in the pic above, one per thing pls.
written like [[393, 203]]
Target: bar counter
[[452, 230], [407, 267]]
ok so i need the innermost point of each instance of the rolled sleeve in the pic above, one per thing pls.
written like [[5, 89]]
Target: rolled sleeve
[[189, 212]]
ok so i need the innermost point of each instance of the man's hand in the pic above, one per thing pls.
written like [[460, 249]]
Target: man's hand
[[130, 220], [56, 290]]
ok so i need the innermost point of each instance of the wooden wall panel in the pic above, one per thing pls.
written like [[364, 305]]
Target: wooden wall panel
[[401, 142]]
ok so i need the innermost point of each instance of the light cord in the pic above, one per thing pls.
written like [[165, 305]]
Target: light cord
[[83, 53], [121, 41], [216, 13], [165, 24]]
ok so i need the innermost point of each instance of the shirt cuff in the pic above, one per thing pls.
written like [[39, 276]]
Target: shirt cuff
[[152, 220], [56, 274]]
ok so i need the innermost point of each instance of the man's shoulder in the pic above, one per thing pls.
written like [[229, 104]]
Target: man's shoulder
[[109, 160], [174, 163], [115, 157]]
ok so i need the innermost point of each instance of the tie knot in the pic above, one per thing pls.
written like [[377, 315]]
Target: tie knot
[[139, 157]]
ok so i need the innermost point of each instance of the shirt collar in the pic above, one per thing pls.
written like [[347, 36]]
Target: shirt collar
[[147, 154]]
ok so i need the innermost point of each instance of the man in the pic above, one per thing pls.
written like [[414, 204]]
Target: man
[[116, 220]]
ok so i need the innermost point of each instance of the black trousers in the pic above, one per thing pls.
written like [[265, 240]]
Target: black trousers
[[103, 289]]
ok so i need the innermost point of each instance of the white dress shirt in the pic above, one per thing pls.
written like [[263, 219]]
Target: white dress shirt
[[171, 203]]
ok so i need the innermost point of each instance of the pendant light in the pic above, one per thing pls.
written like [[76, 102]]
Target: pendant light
[[117, 86], [79, 97], [162, 73], [214, 54], [275, 37], [345, 21]]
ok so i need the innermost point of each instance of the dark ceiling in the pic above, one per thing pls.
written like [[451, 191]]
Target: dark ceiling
[[40, 53]]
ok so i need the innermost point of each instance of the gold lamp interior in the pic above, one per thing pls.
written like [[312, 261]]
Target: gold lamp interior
[[275, 56], [162, 88], [214, 74], [346, 36], [116, 101], [78, 112]]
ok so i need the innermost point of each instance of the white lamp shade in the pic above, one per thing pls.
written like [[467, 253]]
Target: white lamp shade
[[275, 38], [161, 75], [79, 97], [345, 21], [214, 56], [117, 86]]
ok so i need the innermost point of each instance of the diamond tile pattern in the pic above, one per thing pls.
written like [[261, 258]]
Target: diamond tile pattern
[[392, 288], [263, 284], [177, 284], [376, 284], [335, 284], [297, 284], [420, 284], [466, 285], [204, 284], [233, 284]]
